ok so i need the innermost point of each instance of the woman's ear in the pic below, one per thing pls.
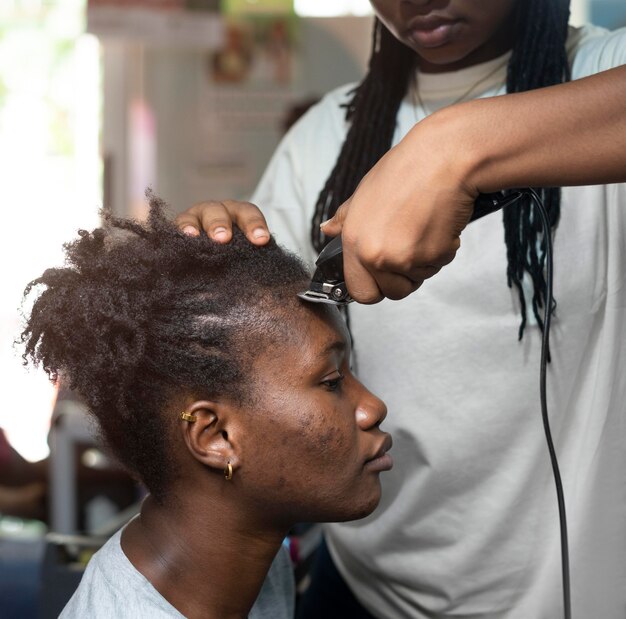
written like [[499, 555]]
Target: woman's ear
[[209, 430]]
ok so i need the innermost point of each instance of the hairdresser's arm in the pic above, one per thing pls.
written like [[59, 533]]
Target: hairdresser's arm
[[404, 220], [217, 219]]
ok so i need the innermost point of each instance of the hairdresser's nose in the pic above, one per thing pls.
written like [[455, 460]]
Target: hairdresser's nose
[[370, 411]]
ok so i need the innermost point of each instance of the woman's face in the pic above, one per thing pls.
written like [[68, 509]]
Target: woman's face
[[313, 448], [450, 34]]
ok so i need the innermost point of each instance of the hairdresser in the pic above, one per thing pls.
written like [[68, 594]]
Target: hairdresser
[[468, 523]]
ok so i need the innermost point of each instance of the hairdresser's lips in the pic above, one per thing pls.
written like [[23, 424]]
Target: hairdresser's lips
[[430, 31], [381, 460]]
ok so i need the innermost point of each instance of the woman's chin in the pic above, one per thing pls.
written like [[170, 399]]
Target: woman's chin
[[360, 508]]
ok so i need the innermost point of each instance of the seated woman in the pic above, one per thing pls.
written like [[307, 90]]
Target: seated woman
[[229, 397]]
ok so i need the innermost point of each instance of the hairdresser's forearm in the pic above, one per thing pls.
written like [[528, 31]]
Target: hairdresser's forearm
[[571, 134]]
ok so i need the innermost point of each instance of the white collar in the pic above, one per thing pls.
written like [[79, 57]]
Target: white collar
[[453, 84]]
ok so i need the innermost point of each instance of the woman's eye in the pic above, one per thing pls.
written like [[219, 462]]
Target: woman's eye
[[334, 383]]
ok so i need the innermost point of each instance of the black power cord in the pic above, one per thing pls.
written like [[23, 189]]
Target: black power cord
[[545, 346]]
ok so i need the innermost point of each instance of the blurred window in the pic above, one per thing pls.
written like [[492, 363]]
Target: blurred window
[[50, 178], [330, 8]]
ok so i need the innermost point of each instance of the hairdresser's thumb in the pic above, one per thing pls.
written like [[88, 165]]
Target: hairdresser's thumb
[[334, 225]]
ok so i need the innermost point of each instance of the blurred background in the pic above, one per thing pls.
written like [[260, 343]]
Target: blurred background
[[98, 100]]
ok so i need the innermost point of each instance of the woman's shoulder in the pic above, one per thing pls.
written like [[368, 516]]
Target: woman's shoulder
[[592, 49], [277, 596], [112, 587]]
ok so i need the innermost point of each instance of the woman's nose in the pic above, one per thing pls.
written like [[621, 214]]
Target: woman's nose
[[370, 411]]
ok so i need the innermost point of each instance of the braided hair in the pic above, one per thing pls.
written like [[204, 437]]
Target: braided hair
[[142, 315], [538, 59]]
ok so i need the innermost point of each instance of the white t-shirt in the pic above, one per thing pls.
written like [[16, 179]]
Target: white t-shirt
[[468, 524], [112, 588]]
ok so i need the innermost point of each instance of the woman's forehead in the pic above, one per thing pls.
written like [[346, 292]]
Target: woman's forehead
[[310, 334], [325, 324]]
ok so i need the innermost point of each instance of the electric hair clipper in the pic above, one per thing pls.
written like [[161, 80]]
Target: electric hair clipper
[[327, 284]]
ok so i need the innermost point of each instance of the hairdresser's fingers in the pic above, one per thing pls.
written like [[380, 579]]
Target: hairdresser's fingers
[[250, 220], [399, 285], [217, 219], [379, 266], [217, 222], [360, 282], [334, 225], [211, 216], [396, 286], [368, 286], [189, 221]]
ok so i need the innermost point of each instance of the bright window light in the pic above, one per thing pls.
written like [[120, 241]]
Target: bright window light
[[332, 8], [49, 157]]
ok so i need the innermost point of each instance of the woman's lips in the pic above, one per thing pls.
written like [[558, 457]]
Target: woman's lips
[[429, 33], [382, 463]]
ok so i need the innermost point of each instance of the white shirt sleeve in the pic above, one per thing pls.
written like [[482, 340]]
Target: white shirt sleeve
[[598, 50], [280, 197], [289, 188]]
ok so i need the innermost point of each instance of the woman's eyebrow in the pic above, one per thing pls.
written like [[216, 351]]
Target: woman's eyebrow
[[338, 346]]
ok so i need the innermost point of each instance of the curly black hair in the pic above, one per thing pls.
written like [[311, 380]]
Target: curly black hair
[[142, 313]]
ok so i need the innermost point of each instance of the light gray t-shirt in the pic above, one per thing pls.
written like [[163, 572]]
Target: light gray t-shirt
[[467, 525], [112, 587]]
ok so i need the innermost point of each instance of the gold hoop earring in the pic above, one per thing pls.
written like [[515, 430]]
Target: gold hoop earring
[[228, 472], [190, 417]]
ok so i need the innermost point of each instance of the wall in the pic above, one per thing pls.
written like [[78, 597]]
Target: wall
[[168, 124]]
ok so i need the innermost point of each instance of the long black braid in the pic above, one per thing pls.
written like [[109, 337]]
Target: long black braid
[[372, 113], [538, 59]]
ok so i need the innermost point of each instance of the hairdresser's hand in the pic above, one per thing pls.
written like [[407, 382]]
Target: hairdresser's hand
[[404, 220], [217, 219], [403, 223]]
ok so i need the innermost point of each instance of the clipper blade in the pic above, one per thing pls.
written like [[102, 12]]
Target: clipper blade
[[327, 284], [318, 297]]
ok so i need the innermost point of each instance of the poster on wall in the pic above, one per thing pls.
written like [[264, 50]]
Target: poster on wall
[[250, 83], [255, 49]]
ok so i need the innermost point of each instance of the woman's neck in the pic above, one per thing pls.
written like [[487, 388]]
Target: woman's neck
[[201, 558]]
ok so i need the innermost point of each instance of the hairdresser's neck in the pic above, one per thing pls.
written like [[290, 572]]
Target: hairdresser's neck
[[203, 558]]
